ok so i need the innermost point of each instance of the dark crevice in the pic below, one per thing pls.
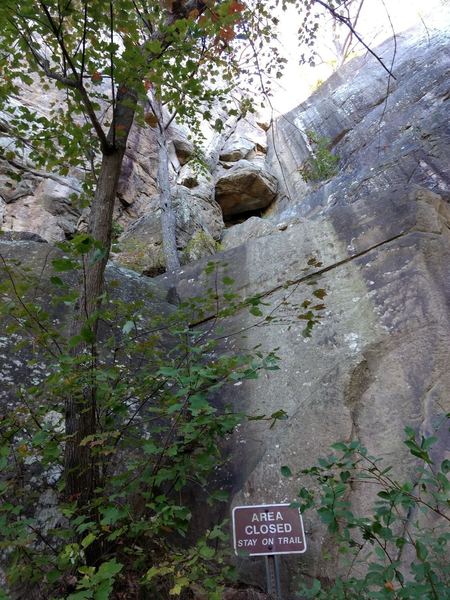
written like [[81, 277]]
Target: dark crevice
[[338, 138], [231, 220]]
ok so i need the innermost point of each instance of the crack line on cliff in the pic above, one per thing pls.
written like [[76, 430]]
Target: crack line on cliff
[[296, 282], [43, 174], [320, 272]]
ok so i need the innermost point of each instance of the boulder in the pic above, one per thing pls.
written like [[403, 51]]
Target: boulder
[[235, 149], [247, 186]]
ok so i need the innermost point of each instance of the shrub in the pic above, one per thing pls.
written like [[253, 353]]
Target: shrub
[[156, 375], [323, 163], [398, 551]]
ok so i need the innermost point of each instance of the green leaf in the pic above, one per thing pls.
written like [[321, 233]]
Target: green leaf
[[109, 569], [56, 280], [74, 341], [83, 595], [64, 264], [98, 255], [321, 293], [87, 541], [87, 334], [110, 515], [206, 551], [180, 583], [286, 471], [159, 571]]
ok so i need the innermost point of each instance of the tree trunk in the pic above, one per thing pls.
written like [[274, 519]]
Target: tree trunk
[[168, 217], [81, 472]]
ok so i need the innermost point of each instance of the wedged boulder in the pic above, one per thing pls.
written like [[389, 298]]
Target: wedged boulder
[[245, 187]]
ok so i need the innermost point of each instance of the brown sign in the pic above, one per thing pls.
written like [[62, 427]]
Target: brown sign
[[265, 529]]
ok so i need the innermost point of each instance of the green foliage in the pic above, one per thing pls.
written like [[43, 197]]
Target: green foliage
[[323, 163], [156, 381], [399, 549], [85, 53]]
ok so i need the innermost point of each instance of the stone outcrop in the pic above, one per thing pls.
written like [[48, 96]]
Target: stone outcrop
[[201, 198], [386, 132], [199, 227], [379, 234], [33, 201], [245, 187], [46, 203]]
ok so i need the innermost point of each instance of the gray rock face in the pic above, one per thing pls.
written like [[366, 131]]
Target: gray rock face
[[251, 228], [377, 362], [381, 229], [386, 132], [28, 251], [245, 187]]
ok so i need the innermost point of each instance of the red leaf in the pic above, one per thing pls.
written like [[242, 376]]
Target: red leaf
[[226, 34], [236, 7]]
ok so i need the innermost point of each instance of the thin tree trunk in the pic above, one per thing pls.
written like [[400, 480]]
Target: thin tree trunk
[[81, 472], [168, 216], [80, 411]]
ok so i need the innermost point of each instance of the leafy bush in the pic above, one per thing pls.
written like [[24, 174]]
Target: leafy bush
[[398, 551], [155, 377], [323, 163]]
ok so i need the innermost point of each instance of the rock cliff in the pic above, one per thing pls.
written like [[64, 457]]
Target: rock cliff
[[379, 234], [381, 230]]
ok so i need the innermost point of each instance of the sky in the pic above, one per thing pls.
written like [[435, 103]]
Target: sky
[[375, 24]]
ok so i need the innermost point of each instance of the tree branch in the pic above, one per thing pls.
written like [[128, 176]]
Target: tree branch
[[106, 147], [346, 21]]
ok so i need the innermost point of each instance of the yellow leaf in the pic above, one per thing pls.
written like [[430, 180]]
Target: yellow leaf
[[180, 583]]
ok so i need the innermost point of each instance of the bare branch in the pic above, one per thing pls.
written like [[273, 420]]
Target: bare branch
[[83, 41], [346, 21], [111, 69]]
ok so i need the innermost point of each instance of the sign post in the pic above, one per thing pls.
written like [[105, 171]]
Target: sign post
[[273, 576], [268, 530]]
